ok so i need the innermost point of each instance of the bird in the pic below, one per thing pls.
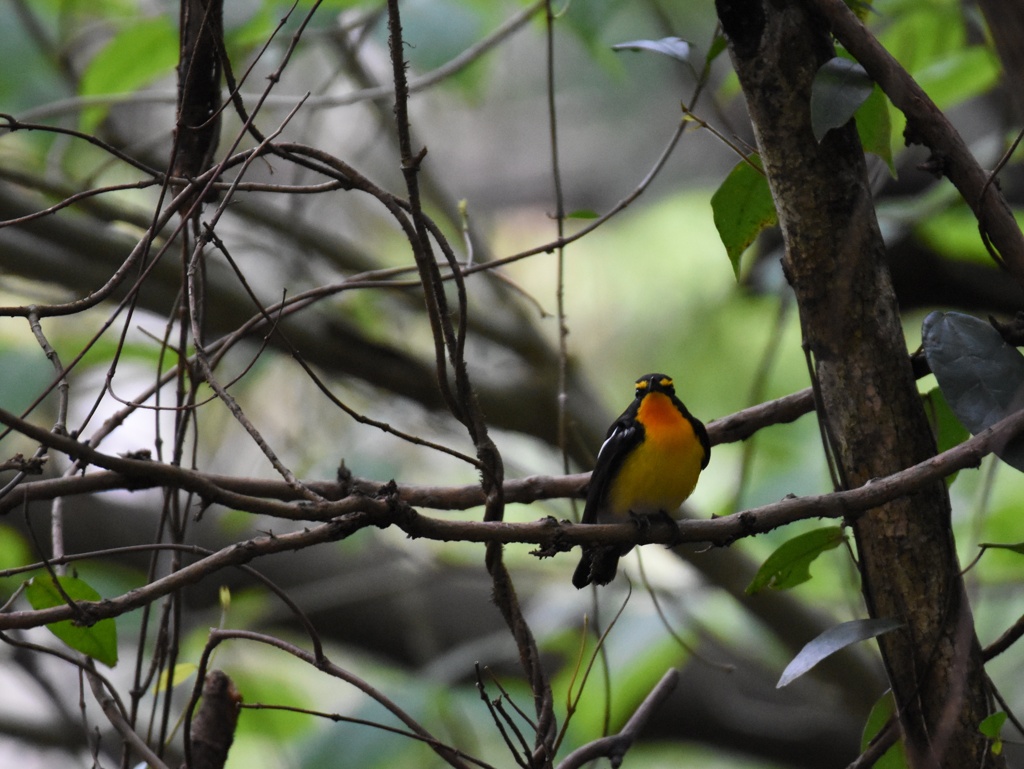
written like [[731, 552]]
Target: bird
[[648, 465]]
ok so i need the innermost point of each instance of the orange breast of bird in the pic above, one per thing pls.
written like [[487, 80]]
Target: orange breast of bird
[[661, 472]]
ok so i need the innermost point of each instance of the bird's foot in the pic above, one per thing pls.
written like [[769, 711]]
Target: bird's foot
[[642, 522], [677, 536]]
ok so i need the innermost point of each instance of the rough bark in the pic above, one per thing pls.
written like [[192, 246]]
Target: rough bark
[[213, 728], [835, 263], [199, 74]]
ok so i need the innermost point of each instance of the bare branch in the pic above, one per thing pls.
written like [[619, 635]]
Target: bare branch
[[615, 746], [117, 720], [928, 125], [451, 755], [355, 512], [1009, 637], [213, 728]]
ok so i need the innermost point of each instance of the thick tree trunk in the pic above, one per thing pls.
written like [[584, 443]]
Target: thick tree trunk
[[835, 263]]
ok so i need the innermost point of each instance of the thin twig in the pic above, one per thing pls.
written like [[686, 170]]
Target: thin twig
[[615, 746], [353, 513], [600, 655], [194, 292], [338, 718], [926, 124], [514, 23], [60, 426], [216, 637], [887, 736], [499, 723], [117, 719]]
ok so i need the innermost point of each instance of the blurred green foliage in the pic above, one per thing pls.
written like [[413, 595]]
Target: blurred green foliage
[[654, 289]]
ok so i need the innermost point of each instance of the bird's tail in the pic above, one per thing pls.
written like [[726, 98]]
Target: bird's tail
[[598, 565]]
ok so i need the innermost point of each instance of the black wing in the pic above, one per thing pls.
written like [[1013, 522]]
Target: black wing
[[702, 436], [698, 429], [624, 434]]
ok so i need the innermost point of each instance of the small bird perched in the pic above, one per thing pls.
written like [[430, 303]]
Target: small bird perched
[[648, 465]]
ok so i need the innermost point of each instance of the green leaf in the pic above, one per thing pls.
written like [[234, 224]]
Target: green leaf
[[14, 550], [840, 87], [981, 375], [874, 125], [946, 428], [250, 33], [170, 678], [953, 232], [832, 640], [140, 52], [991, 727], [790, 564], [959, 75], [675, 47], [719, 44], [881, 713], [583, 213], [742, 207], [98, 641], [919, 34]]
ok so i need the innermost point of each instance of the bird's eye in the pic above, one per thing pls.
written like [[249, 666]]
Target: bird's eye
[[641, 385]]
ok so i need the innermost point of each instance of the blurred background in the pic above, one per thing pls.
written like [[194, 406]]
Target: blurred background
[[650, 289]]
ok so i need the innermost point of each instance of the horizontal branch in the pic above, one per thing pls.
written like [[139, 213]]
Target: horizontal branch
[[356, 511], [257, 495]]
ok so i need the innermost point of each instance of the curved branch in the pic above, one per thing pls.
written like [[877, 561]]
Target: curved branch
[[451, 755], [926, 124], [615, 746], [250, 495], [728, 429], [117, 719]]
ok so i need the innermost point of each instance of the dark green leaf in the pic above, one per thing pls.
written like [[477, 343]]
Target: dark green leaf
[[981, 376], [583, 213], [98, 641], [742, 207], [14, 550], [718, 45], [881, 713], [675, 47], [959, 75], [839, 88], [946, 428], [832, 640], [875, 127], [790, 564], [992, 725], [138, 54]]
